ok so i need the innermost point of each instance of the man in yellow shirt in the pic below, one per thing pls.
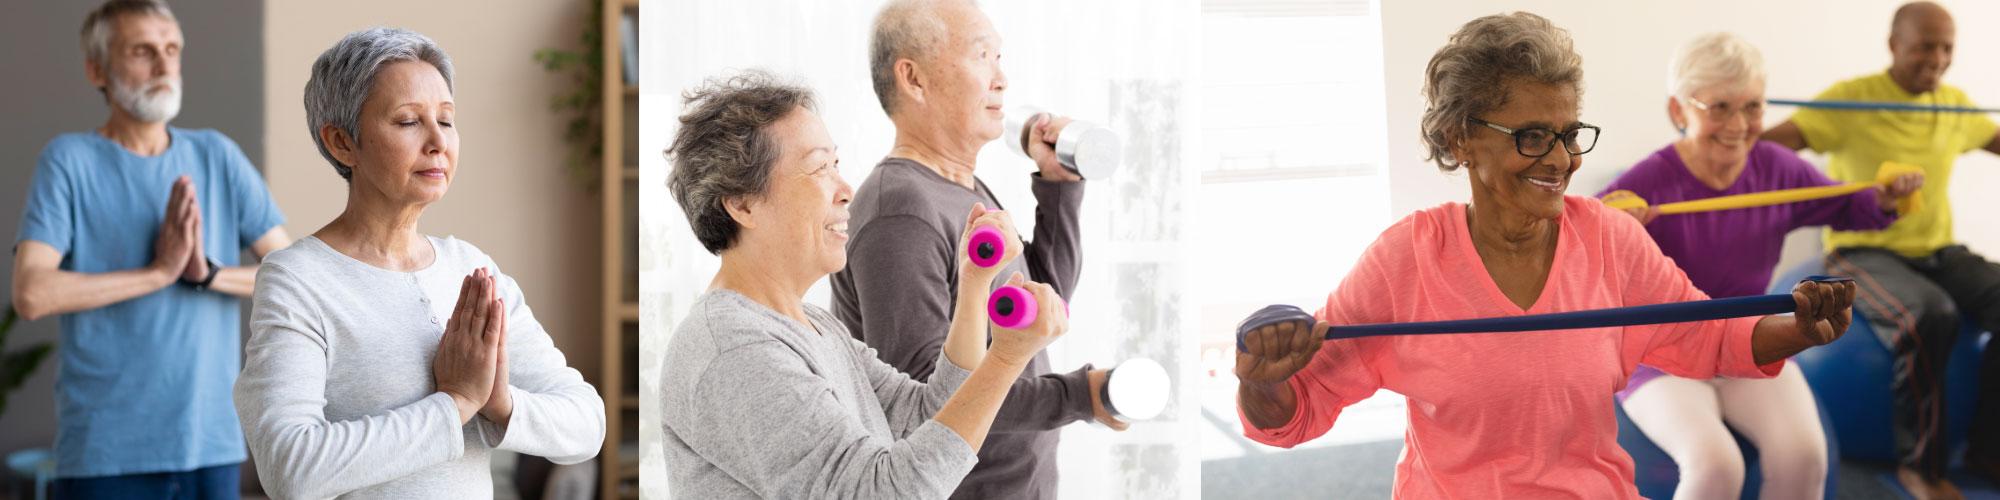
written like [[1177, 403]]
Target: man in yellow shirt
[[1915, 280]]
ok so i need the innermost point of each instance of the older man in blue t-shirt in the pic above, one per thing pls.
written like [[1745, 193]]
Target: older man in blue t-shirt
[[131, 234]]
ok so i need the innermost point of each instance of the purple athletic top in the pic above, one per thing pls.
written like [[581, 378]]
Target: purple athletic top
[[1731, 253]]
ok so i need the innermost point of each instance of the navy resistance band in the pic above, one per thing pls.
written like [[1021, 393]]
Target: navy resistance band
[[1677, 312], [1878, 106]]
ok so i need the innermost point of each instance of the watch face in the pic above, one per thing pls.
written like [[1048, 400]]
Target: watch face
[[214, 269]]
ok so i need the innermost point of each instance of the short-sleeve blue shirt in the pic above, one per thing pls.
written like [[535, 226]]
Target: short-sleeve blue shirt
[[144, 384]]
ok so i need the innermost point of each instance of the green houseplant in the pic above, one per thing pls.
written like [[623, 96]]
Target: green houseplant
[[17, 365], [584, 100]]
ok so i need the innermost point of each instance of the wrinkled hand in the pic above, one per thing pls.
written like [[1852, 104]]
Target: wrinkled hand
[[1041, 146], [1823, 313], [467, 353], [1273, 353], [1644, 214], [178, 230], [1097, 379], [500, 404], [970, 273], [1051, 321], [197, 263], [1902, 187]]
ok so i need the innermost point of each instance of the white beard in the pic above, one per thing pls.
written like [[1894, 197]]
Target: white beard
[[148, 108]]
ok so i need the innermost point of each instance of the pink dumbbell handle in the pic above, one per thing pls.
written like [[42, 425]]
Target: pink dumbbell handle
[[1012, 307], [987, 246]]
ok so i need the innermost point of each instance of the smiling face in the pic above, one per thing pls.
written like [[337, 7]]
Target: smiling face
[[1920, 49], [1503, 178], [1724, 133], [801, 217], [407, 152]]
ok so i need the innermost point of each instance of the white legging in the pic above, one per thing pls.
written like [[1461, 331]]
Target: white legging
[[1685, 418]]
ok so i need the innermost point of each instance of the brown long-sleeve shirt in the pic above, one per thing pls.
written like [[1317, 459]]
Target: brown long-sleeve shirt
[[897, 291]]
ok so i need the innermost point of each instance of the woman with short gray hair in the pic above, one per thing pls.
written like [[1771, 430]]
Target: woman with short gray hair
[[1508, 415], [1715, 98], [765, 396], [384, 363]]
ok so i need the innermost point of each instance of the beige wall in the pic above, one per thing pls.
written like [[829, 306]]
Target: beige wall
[[512, 198]]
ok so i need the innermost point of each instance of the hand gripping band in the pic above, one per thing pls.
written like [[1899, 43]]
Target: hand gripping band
[[1623, 199], [1676, 312]]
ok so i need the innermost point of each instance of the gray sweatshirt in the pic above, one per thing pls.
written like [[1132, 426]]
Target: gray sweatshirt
[[756, 405], [337, 396], [897, 291]]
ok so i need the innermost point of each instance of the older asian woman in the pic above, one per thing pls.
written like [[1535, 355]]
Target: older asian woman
[[766, 396], [385, 363], [1513, 415], [1716, 98]]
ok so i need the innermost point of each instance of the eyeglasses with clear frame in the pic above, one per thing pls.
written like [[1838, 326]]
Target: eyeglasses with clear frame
[[1720, 112]]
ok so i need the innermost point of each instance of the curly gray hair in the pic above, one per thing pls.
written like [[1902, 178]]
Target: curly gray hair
[[723, 150], [1469, 75], [344, 75]]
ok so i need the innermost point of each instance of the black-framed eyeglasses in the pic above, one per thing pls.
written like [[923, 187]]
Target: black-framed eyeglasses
[[1540, 141]]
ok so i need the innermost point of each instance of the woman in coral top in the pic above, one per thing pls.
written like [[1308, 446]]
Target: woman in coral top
[[1508, 415]]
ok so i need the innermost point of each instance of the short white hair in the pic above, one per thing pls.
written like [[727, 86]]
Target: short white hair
[[97, 27], [904, 29], [343, 76], [1713, 60]]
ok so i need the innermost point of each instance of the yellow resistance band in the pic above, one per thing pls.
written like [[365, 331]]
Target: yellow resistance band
[[1624, 200]]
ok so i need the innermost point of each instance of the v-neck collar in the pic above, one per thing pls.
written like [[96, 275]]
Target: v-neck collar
[[1678, 160], [1493, 292]]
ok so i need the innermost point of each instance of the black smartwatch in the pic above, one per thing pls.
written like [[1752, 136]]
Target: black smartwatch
[[213, 270]]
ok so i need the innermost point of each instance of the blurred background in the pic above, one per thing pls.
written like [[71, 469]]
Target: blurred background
[[521, 196], [1242, 119], [1311, 128], [1120, 63]]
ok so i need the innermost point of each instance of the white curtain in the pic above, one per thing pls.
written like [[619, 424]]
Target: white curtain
[[1123, 63]]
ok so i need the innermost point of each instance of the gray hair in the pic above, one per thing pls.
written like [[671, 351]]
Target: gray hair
[[1711, 60], [1469, 76], [97, 27], [344, 75], [723, 149], [904, 29]]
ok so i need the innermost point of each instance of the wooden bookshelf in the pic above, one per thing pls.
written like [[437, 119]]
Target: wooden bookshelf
[[618, 383]]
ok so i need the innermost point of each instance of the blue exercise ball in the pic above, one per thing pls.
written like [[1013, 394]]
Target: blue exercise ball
[[1850, 377], [1657, 475]]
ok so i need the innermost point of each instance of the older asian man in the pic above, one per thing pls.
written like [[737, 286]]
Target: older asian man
[[936, 71]]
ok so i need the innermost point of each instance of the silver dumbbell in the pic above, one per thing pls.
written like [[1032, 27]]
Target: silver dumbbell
[[1137, 389], [1091, 150]]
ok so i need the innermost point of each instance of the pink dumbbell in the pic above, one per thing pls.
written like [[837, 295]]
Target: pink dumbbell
[[1012, 307], [987, 246]]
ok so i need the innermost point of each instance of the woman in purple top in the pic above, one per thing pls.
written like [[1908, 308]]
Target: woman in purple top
[[1716, 99]]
